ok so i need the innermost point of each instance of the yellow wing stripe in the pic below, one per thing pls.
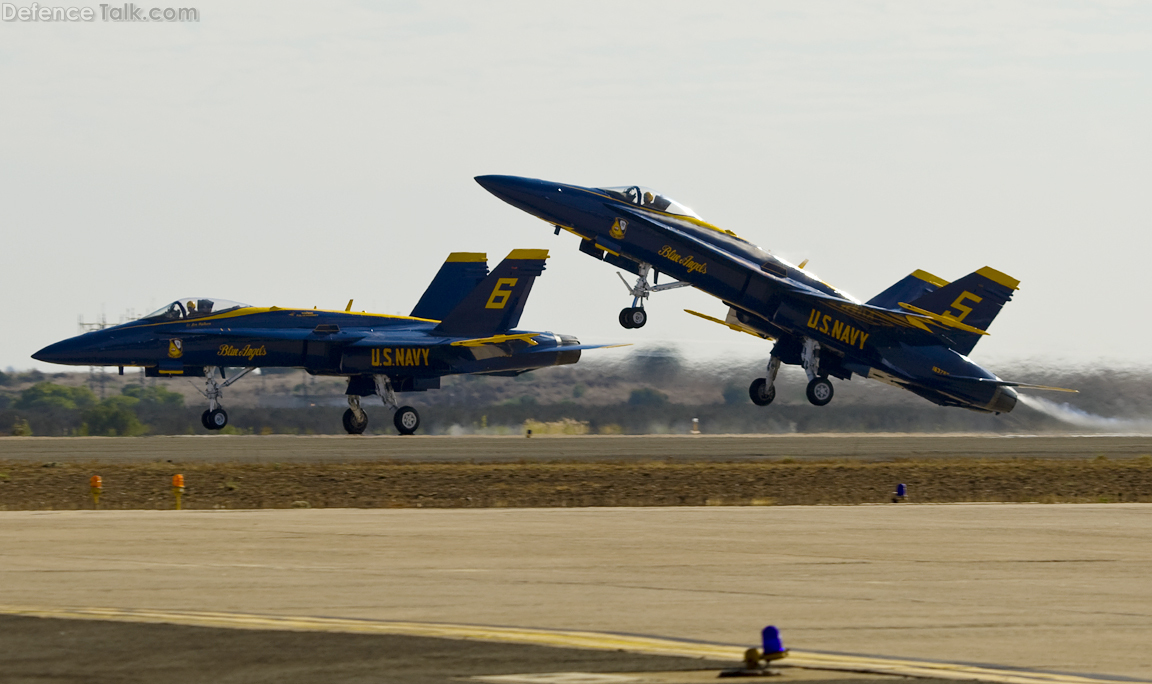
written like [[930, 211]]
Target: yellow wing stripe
[[943, 320], [649, 645], [998, 277], [497, 339], [929, 278], [466, 257], [528, 254], [738, 328]]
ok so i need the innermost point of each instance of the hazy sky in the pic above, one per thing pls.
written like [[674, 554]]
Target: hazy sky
[[301, 154]]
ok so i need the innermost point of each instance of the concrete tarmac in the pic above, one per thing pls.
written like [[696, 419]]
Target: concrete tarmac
[[1061, 588], [492, 449]]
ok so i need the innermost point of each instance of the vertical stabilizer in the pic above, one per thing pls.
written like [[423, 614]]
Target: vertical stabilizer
[[460, 274], [972, 300], [494, 306]]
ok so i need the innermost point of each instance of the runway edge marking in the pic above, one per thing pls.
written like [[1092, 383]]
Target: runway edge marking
[[558, 638]]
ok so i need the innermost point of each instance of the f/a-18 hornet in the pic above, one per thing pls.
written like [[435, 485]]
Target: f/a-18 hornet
[[916, 334], [465, 323]]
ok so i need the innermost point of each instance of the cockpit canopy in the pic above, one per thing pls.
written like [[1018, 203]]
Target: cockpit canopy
[[645, 197], [193, 307]]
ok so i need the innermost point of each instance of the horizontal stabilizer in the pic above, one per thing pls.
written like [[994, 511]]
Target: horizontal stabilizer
[[460, 274], [1008, 383], [498, 339], [494, 306], [575, 347]]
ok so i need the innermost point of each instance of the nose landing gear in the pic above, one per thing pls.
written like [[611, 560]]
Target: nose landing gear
[[635, 316], [216, 418]]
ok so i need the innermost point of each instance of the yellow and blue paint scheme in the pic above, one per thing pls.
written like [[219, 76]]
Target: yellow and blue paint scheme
[[916, 334], [465, 323]]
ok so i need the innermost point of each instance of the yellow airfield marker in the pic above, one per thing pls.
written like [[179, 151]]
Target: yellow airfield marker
[[177, 488], [562, 638], [96, 485]]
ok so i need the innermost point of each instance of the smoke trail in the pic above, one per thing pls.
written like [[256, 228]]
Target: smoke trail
[[1067, 413]]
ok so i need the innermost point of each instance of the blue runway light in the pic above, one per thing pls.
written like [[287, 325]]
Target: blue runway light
[[770, 639]]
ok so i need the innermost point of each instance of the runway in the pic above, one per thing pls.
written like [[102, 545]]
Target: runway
[[486, 449], [1055, 588]]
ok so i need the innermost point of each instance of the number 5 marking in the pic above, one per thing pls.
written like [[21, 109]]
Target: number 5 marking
[[959, 305]]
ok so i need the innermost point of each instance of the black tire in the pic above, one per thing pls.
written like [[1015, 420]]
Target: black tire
[[217, 419], [406, 420], [637, 317], [351, 426], [820, 391], [204, 419], [761, 392], [625, 318]]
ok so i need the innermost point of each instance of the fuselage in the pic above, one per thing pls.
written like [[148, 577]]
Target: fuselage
[[631, 228], [320, 342]]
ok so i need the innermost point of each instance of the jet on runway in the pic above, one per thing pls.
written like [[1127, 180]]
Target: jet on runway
[[916, 334], [465, 323]]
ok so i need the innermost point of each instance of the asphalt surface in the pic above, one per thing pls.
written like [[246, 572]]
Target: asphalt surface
[[485, 449], [1060, 588], [43, 651]]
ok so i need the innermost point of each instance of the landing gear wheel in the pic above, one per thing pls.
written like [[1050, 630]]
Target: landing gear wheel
[[217, 419], [635, 317], [406, 420], [351, 425], [204, 419], [820, 391], [761, 392]]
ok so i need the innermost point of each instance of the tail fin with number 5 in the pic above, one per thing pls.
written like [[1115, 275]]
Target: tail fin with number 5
[[973, 300]]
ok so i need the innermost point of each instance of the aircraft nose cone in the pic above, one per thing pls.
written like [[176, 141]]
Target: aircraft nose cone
[[514, 189], [543, 199], [53, 353]]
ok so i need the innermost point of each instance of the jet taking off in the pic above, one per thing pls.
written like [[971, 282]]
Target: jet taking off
[[464, 324], [915, 335]]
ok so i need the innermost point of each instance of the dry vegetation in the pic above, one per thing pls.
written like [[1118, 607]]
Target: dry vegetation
[[64, 486]]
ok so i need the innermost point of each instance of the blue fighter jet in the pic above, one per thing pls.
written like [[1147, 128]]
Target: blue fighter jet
[[916, 334], [465, 323]]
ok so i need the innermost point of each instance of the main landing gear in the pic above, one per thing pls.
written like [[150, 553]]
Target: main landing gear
[[819, 389], [763, 390], [216, 418], [406, 419], [635, 316]]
